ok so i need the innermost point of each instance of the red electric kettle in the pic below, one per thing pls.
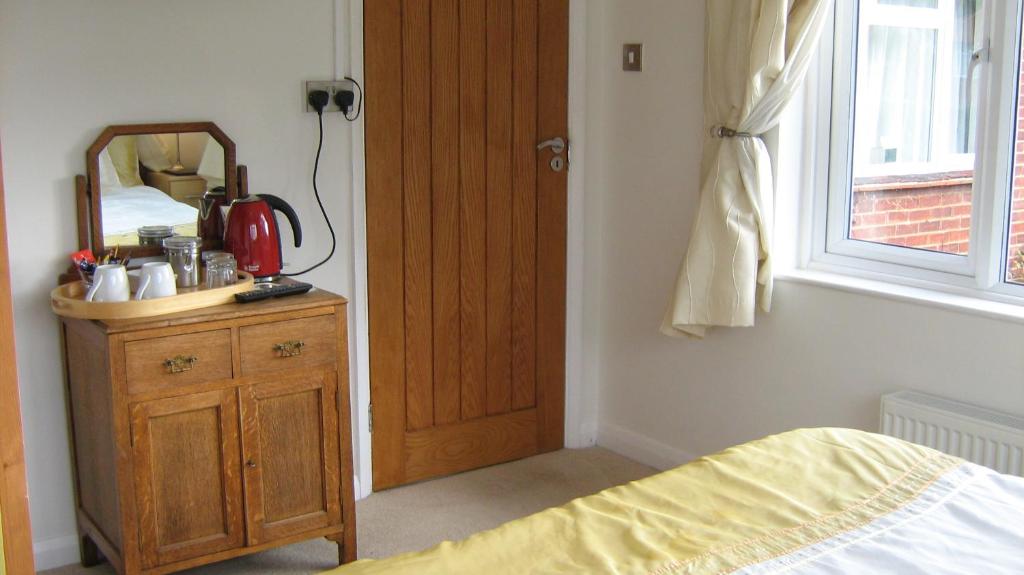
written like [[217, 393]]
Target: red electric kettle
[[250, 233]]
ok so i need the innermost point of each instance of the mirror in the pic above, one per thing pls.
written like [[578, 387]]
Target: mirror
[[147, 181]]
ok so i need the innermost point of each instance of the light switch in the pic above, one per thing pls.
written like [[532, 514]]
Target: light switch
[[633, 57]]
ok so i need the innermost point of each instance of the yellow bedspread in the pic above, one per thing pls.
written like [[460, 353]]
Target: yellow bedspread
[[717, 514]]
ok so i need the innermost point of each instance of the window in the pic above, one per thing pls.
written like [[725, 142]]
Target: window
[[926, 143]]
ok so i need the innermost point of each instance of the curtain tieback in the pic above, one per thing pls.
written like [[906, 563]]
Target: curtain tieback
[[724, 132]]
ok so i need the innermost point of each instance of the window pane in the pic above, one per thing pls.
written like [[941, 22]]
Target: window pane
[[913, 139], [894, 115], [1015, 236]]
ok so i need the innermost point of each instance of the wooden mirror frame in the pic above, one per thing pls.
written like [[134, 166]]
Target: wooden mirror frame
[[94, 220]]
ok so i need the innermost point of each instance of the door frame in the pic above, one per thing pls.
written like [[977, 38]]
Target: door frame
[[580, 394], [16, 526]]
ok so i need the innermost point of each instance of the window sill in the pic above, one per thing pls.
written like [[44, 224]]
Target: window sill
[[923, 296]]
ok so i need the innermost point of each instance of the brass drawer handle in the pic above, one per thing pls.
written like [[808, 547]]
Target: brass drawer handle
[[180, 363], [289, 348]]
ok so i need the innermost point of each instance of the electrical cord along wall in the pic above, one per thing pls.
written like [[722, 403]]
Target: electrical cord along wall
[[318, 99]]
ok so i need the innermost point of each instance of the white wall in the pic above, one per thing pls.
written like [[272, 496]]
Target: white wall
[[69, 68], [823, 357]]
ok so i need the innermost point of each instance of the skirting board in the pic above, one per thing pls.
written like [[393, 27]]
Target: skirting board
[[641, 448], [585, 436], [56, 552]]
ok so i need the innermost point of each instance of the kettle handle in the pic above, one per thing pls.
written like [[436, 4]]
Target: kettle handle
[[282, 206]]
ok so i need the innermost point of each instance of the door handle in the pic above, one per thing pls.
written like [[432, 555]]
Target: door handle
[[979, 56], [557, 145]]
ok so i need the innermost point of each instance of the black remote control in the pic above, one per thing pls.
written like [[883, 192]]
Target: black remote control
[[264, 291]]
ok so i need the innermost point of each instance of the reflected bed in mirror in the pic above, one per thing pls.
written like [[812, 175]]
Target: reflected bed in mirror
[[148, 181], [154, 181]]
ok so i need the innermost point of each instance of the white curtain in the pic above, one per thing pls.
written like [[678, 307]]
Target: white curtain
[[894, 109], [756, 56]]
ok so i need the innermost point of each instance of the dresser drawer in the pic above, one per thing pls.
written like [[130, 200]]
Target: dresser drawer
[[178, 360], [289, 344]]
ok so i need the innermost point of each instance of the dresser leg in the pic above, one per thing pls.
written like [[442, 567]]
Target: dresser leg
[[339, 538], [90, 553]]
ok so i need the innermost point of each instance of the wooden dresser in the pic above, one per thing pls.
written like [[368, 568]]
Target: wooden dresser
[[205, 435]]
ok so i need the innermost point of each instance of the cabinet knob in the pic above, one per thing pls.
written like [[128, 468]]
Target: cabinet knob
[[250, 464], [289, 348], [180, 363]]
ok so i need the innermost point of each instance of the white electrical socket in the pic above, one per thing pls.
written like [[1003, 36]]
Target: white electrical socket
[[331, 86]]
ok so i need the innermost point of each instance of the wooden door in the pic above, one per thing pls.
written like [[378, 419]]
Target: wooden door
[[188, 476], [291, 460], [15, 532], [465, 232]]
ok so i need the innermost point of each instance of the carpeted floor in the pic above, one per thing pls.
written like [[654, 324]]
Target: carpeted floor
[[419, 516]]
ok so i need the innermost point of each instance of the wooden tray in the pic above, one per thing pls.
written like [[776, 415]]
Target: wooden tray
[[68, 300]]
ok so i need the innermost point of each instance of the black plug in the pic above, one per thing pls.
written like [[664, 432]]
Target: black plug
[[319, 99], [345, 99]]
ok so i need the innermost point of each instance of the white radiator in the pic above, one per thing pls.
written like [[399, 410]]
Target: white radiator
[[980, 435]]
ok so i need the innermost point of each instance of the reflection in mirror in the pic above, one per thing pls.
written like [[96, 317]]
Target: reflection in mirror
[[152, 185]]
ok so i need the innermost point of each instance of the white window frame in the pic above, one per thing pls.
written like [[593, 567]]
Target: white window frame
[[980, 273]]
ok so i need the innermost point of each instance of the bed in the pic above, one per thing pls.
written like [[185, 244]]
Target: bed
[[128, 204], [127, 209], [806, 501]]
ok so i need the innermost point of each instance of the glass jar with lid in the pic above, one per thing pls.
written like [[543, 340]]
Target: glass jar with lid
[[153, 235], [183, 254]]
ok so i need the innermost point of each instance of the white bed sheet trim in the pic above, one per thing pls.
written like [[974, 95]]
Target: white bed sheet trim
[[971, 520]]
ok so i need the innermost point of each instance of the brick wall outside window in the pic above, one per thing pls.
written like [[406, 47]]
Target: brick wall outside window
[[930, 212]]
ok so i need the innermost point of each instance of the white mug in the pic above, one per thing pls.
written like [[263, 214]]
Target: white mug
[[156, 279], [109, 283]]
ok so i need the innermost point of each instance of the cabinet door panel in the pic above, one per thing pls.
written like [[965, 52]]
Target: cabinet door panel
[[187, 463], [291, 458]]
